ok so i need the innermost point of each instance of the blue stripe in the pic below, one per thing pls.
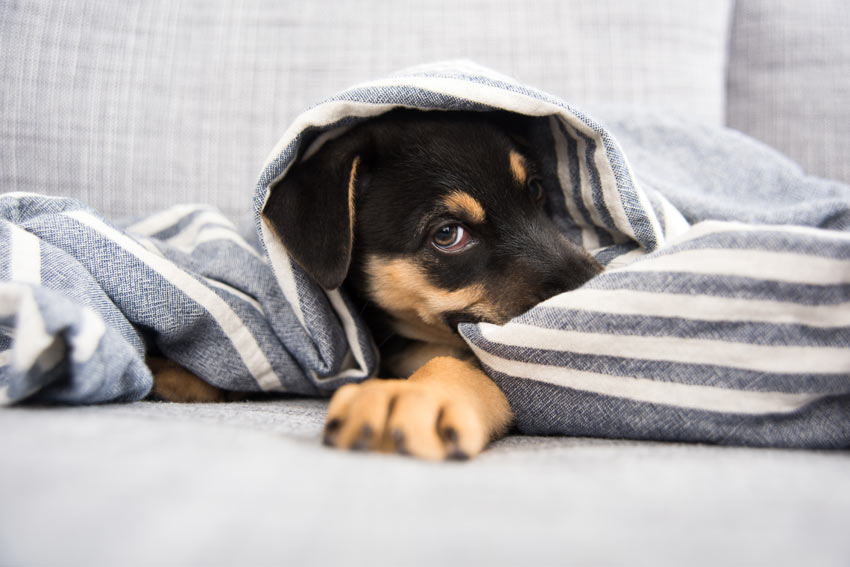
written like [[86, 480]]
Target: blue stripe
[[595, 182], [748, 332], [638, 216], [185, 220], [405, 95], [725, 286], [713, 375], [552, 410], [769, 241], [5, 250], [575, 179], [611, 253]]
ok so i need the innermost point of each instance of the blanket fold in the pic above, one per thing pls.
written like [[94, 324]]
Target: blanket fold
[[723, 315]]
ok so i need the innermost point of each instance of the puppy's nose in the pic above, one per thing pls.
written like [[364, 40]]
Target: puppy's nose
[[571, 268]]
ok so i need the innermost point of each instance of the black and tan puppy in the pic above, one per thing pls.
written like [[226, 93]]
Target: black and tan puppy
[[431, 219]]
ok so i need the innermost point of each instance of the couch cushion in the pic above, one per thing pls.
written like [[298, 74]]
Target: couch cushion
[[134, 107], [251, 484], [789, 80]]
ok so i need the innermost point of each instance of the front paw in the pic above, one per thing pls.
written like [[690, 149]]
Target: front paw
[[401, 416]]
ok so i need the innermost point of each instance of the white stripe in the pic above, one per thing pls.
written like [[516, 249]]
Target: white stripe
[[706, 228], [584, 175], [189, 242], [200, 221], [25, 251], [149, 245], [612, 196], [525, 104], [759, 264], [18, 195], [207, 226], [240, 336], [626, 259], [6, 357], [236, 293], [589, 238], [759, 358], [675, 224], [286, 280], [645, 205], [701, 307], [282, 269], [34, 346], [92, 329], [323, 115], [496, 97], [350, 335], [162, 220], [564, 177], [652, 391]]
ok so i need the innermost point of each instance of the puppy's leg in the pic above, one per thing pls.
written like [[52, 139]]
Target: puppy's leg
[[173, 383], [447, 409]]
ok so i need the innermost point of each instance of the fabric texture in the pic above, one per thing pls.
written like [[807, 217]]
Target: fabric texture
[[722, 316], [251, 484], [83, 302], [132, 108], [789, 80]]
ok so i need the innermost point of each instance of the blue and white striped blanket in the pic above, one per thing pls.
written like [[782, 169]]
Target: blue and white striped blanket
[[723, 315]]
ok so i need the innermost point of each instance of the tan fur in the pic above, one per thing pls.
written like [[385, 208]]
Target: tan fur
[[448, 408], [352, 183], [408, 324], [465, 206], [401, 287], [417, 355], [519, 168], [174, 383]]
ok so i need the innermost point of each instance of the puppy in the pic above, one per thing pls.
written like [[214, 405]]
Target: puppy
[[430, 219]]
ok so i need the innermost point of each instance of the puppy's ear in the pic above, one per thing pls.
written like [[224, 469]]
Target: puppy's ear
[[311, 209], [516, 126]]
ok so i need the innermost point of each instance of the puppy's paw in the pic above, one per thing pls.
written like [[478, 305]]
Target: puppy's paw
[[447, 410], [173, 383], [403, 417]]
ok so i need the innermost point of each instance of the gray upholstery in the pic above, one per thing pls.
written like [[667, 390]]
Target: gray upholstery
[[132, 106], [789, 80], [250, 484], [135, 107]]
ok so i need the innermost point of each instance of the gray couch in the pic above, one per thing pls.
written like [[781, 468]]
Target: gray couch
[[135, 106]]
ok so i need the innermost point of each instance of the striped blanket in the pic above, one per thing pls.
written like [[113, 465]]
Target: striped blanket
[[723, 314]]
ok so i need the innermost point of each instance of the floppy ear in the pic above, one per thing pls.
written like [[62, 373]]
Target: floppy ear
[[311, 209], [518, 127]]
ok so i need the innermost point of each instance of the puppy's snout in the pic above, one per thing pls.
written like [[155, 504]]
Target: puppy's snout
[[569, 268]]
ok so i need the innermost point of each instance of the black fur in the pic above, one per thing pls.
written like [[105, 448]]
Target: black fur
[[408, 161]]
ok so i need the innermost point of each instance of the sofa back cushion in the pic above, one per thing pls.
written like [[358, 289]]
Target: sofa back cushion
[[789, 80], [132, 106]]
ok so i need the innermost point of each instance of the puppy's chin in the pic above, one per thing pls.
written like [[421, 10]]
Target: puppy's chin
[[455, 318], [412, 327]]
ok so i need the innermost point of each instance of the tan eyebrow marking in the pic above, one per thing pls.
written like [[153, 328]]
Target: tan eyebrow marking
[[518, 166], [464, 205]]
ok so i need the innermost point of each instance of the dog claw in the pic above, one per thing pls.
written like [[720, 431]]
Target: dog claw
[[399, 443], [450, 439], [364, 441], [449, 435], [457, 455], [331, 432]]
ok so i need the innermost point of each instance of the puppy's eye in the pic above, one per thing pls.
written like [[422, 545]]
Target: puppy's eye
[[535, 187], [450, 238]]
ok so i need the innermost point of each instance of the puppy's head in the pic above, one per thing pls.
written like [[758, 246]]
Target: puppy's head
[[438, 218]]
